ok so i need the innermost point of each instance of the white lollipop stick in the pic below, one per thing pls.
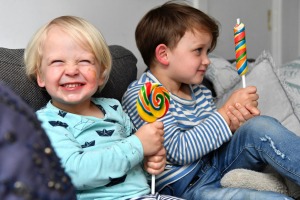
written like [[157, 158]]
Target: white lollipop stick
[[153, 184], [244, 81]]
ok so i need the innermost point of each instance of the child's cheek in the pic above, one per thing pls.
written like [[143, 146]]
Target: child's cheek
[[92, 73]]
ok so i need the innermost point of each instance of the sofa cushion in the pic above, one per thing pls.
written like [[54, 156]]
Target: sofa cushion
[[222, 74], [273, 99], [289, 74], [12, 73]]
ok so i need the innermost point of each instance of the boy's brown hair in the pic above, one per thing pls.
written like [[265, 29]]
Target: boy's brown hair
[[167, 24]]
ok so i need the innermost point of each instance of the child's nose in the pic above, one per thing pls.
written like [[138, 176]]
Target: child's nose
[[71, 69], [205, 60]]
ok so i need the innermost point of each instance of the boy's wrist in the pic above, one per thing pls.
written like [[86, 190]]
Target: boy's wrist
[[223, 112]]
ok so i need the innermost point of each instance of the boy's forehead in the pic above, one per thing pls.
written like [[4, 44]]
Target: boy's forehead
[[199, 29], [199, 33], [197, 38]]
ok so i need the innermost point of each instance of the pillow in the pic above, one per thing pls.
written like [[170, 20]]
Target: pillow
[[222, 74], [273, 100], [289, 74], [12, 73]]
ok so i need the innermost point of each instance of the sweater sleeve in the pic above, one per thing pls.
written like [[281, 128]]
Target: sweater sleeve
[[184, 145], [98, 166]]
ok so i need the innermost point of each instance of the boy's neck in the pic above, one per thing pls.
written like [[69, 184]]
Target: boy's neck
[[181, 90]]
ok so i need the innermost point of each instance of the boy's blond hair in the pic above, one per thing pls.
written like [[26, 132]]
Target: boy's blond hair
[[81, 31]]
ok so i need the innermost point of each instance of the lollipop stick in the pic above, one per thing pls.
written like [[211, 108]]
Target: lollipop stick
[[153, 184], [244, 81]]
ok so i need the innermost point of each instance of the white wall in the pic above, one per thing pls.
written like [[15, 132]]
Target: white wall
[[116, 19], [271, 25], [290, 28], [258, 37]]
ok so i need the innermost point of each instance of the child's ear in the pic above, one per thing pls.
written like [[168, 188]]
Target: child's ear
[[102, 78], [40, 80], [161, 54]]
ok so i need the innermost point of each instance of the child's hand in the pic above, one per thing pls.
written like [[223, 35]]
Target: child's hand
[[152, 137], [246, 98], [238, 114], [155, 164]]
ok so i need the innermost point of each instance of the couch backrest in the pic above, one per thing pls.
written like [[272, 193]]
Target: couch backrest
[[12, 73]]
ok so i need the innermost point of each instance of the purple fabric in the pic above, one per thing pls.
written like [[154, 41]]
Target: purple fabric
[[29, 167]]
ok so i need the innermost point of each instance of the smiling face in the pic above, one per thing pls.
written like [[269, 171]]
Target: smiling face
[[189, 60], [69, 72]]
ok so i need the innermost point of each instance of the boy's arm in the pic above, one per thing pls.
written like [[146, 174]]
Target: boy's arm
[[183, 147]]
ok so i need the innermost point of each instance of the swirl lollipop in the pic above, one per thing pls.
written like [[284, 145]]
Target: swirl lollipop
[[240, 50], [152, 103]]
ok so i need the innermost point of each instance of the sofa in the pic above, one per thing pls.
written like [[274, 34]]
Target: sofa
[[278, 88]]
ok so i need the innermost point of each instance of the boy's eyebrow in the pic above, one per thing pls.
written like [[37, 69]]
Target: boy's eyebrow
[[203, 44]]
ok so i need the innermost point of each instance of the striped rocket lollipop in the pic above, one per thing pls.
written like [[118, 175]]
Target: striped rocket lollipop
[[240, 50]]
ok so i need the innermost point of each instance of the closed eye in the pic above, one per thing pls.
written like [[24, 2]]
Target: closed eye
[[85, 61], [56, 62]]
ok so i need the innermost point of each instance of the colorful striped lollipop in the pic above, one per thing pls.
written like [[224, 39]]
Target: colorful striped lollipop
[[153, 101], [240, 50]]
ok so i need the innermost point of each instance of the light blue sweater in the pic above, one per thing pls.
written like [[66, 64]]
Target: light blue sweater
[[101, 156]]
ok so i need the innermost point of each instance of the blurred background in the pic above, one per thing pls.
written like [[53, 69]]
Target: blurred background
[[271, 25]]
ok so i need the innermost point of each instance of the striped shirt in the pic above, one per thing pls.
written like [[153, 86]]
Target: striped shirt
[[193, 128]]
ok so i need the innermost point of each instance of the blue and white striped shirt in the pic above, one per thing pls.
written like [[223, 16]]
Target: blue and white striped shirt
[[193, 128]]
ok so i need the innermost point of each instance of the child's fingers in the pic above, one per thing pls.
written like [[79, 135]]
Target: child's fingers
[[155, 164], [238, 111], [158, 124], [253, 109]]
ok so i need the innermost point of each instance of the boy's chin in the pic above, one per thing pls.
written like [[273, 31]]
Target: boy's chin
[[196, 82]]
